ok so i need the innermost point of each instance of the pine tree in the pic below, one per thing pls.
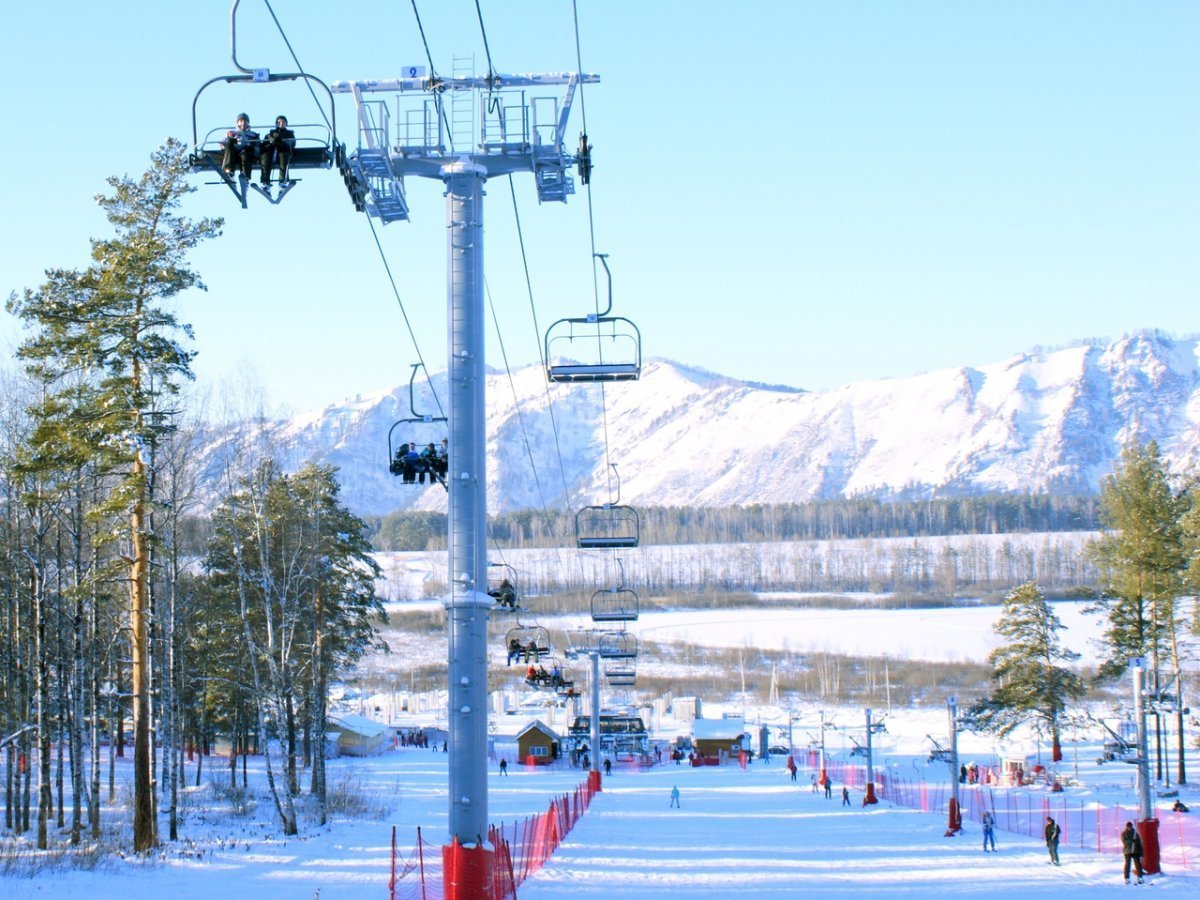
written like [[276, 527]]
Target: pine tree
[[1143, 559], [106, 326], [1027, 668]]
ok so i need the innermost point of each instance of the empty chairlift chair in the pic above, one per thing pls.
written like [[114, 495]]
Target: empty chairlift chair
[[617, 645], [594, 348], [615, 605], [620, 673], [609, 526]]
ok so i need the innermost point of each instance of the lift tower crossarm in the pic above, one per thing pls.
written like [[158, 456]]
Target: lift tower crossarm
[[475, 83]]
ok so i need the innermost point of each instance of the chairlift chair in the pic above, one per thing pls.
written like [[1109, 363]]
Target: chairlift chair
[[615, 605], [403, 458], [547, 682], [618, 645], [533, 641], [316, 146], [594, 348], [938, 753], [502, 586], [608, 526], [622, 680], [620, 668], [582, 642]]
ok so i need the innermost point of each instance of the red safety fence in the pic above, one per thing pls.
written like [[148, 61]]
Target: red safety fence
[[1088, 826], [519, 850]]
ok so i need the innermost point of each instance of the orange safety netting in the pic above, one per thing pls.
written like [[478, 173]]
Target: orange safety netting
[[518, 850], [1093, 826]]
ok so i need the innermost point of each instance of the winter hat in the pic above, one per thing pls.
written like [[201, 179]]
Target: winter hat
[[277, 118], [243, 116]]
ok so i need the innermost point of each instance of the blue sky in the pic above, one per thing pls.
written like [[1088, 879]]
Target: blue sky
[[807, 193]]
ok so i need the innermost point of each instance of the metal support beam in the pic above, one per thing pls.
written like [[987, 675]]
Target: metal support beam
[[468, 604]]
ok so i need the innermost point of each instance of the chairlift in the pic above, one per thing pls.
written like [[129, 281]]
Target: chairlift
[[938, 753], [545, 679], [622, 680], [502, 586], [582, 642], [526, 644], [618, 645], [1119, 747], [615, 605], [619, 667], [405, 459], [316, 145], [608, 526], [594, 348]]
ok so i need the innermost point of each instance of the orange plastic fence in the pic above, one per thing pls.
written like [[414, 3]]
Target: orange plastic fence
[[1088, 826], [519, 850]]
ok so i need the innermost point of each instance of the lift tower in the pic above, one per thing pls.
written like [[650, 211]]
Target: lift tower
[[490, 126]]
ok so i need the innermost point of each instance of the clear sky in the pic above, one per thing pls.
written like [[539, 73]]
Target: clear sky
[[807, 193]]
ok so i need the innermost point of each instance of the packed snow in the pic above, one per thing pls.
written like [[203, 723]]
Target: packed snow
[[739, 833]]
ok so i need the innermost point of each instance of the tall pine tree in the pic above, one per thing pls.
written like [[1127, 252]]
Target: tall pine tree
[[109, 327], [1143, 560], [1028, 669]]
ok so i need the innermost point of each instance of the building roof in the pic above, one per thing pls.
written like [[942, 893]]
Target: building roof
[[540, 726], [355, 724], [717, 729]]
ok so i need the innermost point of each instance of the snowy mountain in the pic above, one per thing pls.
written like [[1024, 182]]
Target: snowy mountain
[[1041, 421]]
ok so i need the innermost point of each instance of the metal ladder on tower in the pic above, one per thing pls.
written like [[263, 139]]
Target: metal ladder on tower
[[370, 166]]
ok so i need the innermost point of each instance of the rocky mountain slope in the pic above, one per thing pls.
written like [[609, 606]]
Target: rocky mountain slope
[[1041, 421]]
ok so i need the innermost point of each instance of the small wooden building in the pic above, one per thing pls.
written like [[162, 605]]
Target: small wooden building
[[720, 739], [537, 744], [358, 735]]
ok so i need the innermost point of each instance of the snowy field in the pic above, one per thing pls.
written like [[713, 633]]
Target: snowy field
[[745, 834]]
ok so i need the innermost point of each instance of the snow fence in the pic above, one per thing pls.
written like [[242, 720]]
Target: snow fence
[[519, 850], [1023, 810]]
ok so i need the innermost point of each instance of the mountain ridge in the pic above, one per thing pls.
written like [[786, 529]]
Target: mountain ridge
[[1041, 421]]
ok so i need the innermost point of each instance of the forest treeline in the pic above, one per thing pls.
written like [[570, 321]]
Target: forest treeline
[[811, 521], [132, 618]]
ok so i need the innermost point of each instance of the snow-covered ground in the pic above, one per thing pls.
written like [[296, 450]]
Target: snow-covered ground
[[743, 834], [749, 833]]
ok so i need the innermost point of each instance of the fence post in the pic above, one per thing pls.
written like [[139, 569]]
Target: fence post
[[421, 860]]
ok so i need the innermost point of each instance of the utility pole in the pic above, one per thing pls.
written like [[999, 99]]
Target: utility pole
[[955, 824], [869, 797], [1147, 825], [510, 132], [824, 779], [594, 770]]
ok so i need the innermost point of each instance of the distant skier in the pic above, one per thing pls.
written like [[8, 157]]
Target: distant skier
[[828, 788], [1131, 847], [504, 767], [607, 766], [675, 797], [845, 796], [791, 764], [814, 784], [1053, 832], [989, 830]]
